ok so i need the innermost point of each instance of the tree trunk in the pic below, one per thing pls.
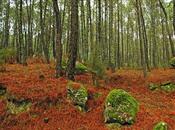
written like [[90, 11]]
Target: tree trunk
[[58, 40], [73, 40], [167, 27]]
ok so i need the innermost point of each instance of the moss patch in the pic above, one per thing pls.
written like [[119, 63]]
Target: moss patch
[[18, 106], [161, 126], [80, 68], [167, 86], [97, 95], [120, 107], [114, 126], [3, 90], [78, 96], [153, 86]]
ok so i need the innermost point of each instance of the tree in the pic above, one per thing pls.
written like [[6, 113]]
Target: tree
[[143, 59], [73, 45], [58, 39], [174, 16], [7, 26], [167, 27], [21, 40], [43, 43]]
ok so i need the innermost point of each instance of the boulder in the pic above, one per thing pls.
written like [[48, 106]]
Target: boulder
[[168, 87], [120, 107], [78, 94], [3, 89], [161, 126], [17, 106]]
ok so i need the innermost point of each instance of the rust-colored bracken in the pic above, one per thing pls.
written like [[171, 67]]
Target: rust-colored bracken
[[48, 97]]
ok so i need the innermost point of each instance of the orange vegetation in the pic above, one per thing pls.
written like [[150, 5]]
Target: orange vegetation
[[36, 82]]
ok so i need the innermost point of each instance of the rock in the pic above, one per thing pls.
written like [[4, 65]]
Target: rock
[[17, 106], [3, 89], [78, 95], [120, 107], [161, 126], [41, 77], [46, 120], [153, 86], [168, 87]]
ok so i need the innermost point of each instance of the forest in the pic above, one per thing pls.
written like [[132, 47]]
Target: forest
[[87, 64]]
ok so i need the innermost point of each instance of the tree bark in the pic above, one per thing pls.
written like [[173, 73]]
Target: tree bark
[[73, 41], [58, 39]]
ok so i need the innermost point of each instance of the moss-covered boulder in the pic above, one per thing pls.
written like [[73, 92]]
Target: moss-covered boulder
[[168, 87], [172, 62], [16, 106], [161, 126], [120, 107], [78, 94]]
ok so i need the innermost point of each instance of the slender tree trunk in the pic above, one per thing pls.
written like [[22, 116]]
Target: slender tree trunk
[[58, 39], [145, 39], [141, 40], [167, 27], [118, 35], [110, 29], [174, 16], [7, 26], [73, 40]]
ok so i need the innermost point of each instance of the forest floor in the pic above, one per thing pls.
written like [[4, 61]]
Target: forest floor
[[36, 82]]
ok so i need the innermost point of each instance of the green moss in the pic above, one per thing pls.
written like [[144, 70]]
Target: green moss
[[7, 53], [120, 107], [97, 95], [79, 96], [16, 107], [114, 126], [168, 87], [172, 62], [161, 126], [80, 68], [64, 64], [153, 86], [2, 90]]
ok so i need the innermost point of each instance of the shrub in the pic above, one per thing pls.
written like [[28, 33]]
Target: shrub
[[98, 71], [172, 62], [7, 55], [79, 68], [120, 107], [111, 67]]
